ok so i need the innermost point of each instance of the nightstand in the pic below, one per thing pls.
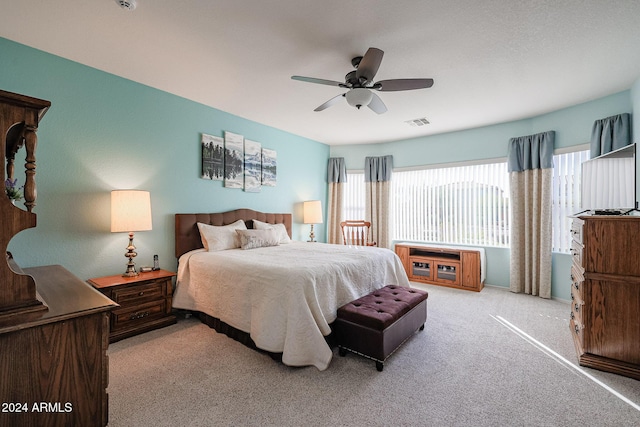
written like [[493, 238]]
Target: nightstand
[[145, 302]]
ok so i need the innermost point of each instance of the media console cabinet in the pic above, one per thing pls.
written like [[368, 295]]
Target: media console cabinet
[[452, 266]]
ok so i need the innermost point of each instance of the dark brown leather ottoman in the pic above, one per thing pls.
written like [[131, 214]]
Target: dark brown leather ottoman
[[377, 324]]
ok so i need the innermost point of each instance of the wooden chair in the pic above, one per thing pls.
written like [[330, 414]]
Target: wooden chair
[[356, 233]]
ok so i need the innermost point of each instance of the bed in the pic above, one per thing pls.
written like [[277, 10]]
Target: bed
[[282, 298]]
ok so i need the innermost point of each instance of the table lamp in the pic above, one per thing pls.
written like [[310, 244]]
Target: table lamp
[[130, 211], [312, 212]]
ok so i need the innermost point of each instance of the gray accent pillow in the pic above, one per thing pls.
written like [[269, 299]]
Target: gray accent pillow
[[252, 239]]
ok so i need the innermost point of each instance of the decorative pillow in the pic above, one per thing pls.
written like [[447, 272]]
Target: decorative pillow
[[281, 230], [220, 238], [251, 239]]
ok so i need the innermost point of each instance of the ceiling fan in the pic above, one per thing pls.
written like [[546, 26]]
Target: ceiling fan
[[361, 86]]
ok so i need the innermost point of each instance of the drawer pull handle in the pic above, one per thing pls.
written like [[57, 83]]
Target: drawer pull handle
[[572, 297], [138, 315], [141, 293], [577, 328], [577, 306], [577, 285], [573, 315]]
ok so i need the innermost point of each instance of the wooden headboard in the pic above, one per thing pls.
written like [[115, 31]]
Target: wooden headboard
[[188, 236]]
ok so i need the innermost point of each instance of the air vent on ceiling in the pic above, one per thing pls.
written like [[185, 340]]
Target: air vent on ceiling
[[418, 122], [127, 4]]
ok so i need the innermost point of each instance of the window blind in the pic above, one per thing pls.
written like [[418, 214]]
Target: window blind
[[466, 204]]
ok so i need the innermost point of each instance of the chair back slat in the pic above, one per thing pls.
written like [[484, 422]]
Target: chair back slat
[[356, 233]]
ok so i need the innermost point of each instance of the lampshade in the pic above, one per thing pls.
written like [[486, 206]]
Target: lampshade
[[312, 212], [130, 210], [358, 97]]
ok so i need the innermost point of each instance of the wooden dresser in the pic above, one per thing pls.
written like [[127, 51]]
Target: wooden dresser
[[605, 293], [442, 265], [54, 367]]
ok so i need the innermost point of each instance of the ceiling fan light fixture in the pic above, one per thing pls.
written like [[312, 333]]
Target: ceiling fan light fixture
[[359, 97], [361, 84], [127, 4]]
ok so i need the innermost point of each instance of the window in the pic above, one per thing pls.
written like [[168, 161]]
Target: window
[[565, 196], [466, 204], [354, 196]]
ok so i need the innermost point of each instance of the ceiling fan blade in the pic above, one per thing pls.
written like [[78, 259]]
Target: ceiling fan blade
[[402, 84], [318, 81], [377, 105], [369, 64], [330, 102]]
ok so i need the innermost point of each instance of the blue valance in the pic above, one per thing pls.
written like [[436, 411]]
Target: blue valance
[[531, 152], [337, 171], [610, 134], [377, 169]]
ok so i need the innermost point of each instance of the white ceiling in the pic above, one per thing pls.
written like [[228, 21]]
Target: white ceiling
[[492, 61]]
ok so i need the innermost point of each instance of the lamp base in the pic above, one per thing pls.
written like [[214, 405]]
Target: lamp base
[[131, 266], [131, 272], [312, 236]]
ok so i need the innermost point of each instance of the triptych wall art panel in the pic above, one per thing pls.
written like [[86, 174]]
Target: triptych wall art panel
[[269, 164], [212, 157], [233, 160], [252, 166], [239, 162]]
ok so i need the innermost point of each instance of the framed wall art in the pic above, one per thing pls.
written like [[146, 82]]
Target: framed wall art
[[212, 157], [252, 166], [269, 167], [233, 160]]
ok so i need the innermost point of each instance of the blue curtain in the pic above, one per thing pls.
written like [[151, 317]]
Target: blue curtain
[[531, 152], [337, 171], [378, 169], [610, 134], [530, 163]]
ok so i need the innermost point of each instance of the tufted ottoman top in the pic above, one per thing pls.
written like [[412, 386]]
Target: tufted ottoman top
[[379, 309]]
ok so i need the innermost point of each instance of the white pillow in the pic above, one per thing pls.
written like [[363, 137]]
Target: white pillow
[[220, 238], [251, 239], [280, 229]]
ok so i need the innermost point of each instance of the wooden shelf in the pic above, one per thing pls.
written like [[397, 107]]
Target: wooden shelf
[[19, 119]]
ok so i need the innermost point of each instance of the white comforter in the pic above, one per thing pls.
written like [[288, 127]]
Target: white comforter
[[284, 296]]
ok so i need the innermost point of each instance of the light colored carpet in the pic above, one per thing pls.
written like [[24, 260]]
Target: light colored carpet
[[464, 369]]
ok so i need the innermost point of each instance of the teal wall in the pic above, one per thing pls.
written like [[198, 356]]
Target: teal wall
[[572, 125], [104, 132]]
